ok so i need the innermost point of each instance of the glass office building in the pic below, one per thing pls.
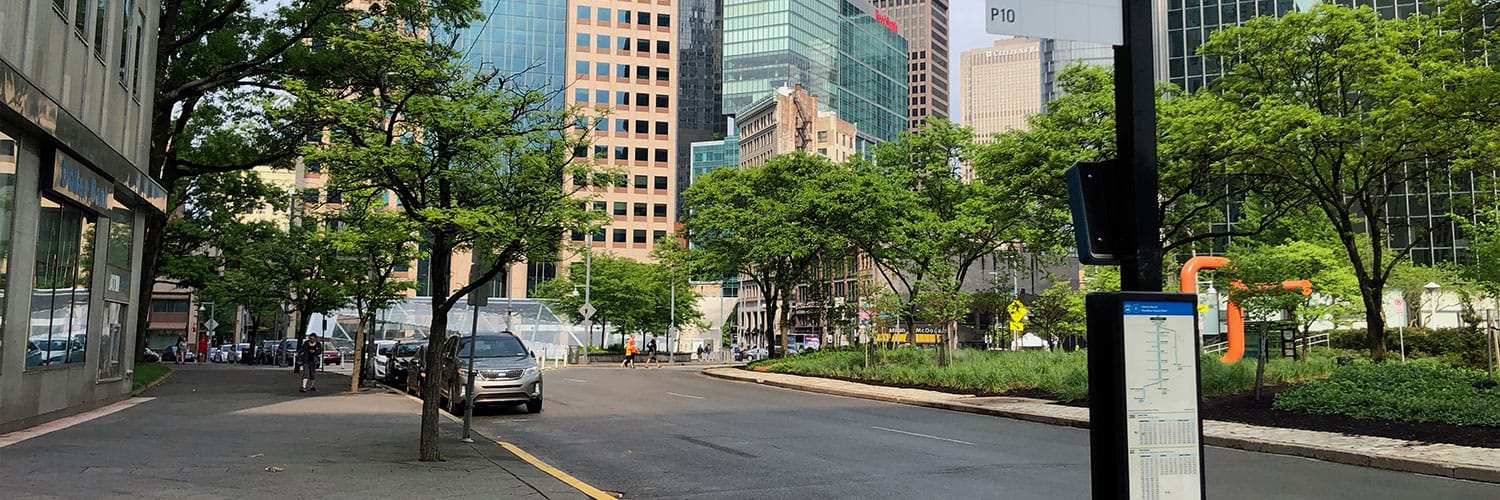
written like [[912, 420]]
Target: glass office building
[[523, 35], [709, 156], [700, 79], [842, 51]]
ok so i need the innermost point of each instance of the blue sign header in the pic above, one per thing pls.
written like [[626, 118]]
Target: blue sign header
[[1157, 308], [79, 183]]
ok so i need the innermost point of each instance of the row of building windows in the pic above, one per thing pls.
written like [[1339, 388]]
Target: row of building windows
[[623, 181], [623, 153], [623, 209], [642, 72], [132, 28], [618, 235], [622, 98], [622, 43], [622, 16]]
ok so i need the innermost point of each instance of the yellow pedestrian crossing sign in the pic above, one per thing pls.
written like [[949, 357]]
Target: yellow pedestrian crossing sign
[[1016, 326], [1017, 311]]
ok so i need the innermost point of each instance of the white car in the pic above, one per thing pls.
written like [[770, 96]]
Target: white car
[[234, 352], [216, 355], [381, 360]]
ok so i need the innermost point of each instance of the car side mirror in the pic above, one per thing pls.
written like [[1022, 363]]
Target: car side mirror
[[533, 354]]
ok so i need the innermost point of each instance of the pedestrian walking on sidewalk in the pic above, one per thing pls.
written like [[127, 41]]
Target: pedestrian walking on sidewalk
[[629, 353], [651, 353], [179, 351], [310, 353]]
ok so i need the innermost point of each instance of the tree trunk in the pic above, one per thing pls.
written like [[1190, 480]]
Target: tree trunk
[[441, 273], [785, 323], [1375, 323], [359, 354], [155, 228]]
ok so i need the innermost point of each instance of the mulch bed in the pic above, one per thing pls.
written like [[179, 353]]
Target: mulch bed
[[1244, 408]]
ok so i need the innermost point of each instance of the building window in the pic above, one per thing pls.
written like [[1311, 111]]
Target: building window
[[583, 12], [624, 16], [663, 47], [659, 209], [619, 236], [600, 206], [622, 71], [640, 154], [641, 182], [664, 20], [169, 305], [601, 96], [661, 155], [124, 44], [642, 71], [622, 43], [661, 100], [641, 126], [602, 42], [601, 151], [140, 28], [639, 209], [583, 39], [622, 125], [581, 67], [661, 182], [643, 18], [642, 45], [662, 74], [661, 128], [604, 14], [10, 152], [602, 69], [101, 13], [619, 208], [622, 153], [62, 289], [658, 235], [581, 95], [638, 236]]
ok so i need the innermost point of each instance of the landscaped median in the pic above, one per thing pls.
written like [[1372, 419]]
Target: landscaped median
[[1316, 401]]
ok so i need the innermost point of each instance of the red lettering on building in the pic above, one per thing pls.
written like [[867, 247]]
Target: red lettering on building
[[886, 21]]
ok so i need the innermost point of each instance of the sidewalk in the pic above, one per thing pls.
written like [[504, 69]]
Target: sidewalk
[[224, 431], [1462, 462]]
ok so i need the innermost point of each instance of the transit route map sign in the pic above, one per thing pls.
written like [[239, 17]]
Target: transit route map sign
[[1161, 400]]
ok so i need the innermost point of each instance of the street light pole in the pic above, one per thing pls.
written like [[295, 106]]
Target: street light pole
[[588, 282], [673, 277]]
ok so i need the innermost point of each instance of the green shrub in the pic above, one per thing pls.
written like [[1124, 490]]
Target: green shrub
[[1424, 390]]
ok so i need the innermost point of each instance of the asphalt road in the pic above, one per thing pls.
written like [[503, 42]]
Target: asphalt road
[[674, 433]]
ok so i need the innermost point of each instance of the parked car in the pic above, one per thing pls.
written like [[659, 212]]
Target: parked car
[[149, 356], [377, 368], [35, 356], [416, 370], [756, 353], [400, 359], [332, 355], [236, 352], [214, 354], [284, 352], [505, 373], [53, 351]]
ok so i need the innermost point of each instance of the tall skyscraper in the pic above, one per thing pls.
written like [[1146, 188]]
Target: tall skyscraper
[[842, 51], [700, 81], [1189, 23], [1000, 86], [1057, 55], [924, 24], [622, 57]]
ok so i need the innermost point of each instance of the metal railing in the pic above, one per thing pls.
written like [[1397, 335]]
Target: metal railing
[[1315, 339]]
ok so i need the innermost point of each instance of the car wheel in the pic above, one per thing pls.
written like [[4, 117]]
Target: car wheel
[[534, 406]]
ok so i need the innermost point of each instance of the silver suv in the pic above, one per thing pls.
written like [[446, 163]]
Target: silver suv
[[505, 373]]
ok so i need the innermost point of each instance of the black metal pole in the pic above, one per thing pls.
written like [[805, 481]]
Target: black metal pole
[[1135, 136]]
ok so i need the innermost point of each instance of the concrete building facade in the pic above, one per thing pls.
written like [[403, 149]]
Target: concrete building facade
[[1001, 86], [924, 24], [788, 121], [76, 86]]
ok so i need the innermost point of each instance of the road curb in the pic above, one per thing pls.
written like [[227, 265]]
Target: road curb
[[153, 384], [1468, 472]]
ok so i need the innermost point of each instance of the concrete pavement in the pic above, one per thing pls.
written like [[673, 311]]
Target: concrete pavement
[[226, 431], [1438, 459], [673, 433]]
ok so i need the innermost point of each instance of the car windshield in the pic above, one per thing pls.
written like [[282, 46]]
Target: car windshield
[[404, 350], [493, 347]]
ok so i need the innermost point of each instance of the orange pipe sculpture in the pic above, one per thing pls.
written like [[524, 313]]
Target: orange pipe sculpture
[[1188, 282]]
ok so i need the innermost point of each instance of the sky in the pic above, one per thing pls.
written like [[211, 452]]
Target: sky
[[965, 32]]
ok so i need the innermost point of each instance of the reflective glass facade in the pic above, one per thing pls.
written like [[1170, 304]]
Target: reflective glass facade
[[713, 155], [522, 34], [700, 78], [1190, 22], [836, 49]]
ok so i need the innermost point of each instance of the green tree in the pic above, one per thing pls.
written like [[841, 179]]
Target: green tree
[[769, 223], [478, 162], [373, 240], [221, 69], [1058, 311], [629, 295], [1333, 104]]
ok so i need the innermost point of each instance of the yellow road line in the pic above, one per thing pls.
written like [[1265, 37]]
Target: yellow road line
[[582, 487], [592, 492]]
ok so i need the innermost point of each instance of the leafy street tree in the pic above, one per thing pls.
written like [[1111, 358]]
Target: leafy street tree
[[1333, 104], [373, 239], [629, 295], [1484, 241], [221, 70], [768, 223], [1058, 311], [477, 161]]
